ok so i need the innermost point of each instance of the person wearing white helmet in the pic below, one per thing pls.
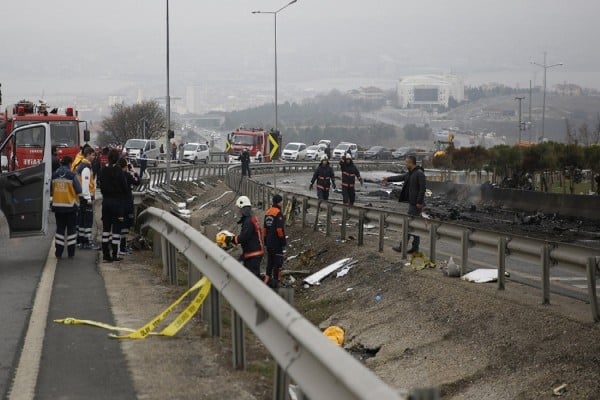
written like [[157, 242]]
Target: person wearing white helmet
[[325, 178], [349, 176], [250, 237]]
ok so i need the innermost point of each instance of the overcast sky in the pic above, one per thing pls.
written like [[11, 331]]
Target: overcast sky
[[82, 46]]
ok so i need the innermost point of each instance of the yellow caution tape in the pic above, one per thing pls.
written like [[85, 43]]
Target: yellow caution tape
[[148, 329]]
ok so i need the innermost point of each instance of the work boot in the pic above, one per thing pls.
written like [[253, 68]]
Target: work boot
[[106, 257], [115, 253], [415, 245]]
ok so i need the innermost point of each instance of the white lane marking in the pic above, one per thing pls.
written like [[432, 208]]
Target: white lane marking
[[24, 384]]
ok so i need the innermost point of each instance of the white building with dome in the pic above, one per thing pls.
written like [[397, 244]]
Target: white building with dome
[[429, 90]]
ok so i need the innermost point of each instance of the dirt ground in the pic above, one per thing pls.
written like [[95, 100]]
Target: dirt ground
[[412, 328]]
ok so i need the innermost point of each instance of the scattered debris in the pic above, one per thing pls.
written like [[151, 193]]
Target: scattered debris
[[452, 269], [344, 271], [315, 279], [481, 275], [362, 353], [335, 334], [378, 297], [349, 289], [560, 390], [419, 261]]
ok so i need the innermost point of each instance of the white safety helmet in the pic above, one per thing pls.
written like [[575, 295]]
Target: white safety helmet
[[324, 157], [243, 201], [348, 156]]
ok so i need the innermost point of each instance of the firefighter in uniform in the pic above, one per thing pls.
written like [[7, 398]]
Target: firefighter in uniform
[[245, 160], [275, 242], [65, 201], [325, 178], [349, 175], [88, 191], [250, 237]]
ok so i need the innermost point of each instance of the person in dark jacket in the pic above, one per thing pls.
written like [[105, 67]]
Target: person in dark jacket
[[413, 192], [245, 160], [325, 178], [133, 179], [349, 176], [275, 241], [55, 159], [143, 164], [114, 196], [66, 192], [250, 237]]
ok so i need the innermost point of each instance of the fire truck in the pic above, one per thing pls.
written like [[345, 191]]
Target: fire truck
[[258, 142], [64, 126]]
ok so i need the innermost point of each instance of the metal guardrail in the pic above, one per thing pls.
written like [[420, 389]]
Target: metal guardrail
[[321, 369]]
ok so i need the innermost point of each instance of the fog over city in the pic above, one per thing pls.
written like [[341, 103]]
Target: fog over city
[[67, 49]]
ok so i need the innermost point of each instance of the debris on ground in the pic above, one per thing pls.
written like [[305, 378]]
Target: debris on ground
[[481, 275], [419, 261], [344, 271], [451, 269], [335, 334], [560, 390], [315, 279]]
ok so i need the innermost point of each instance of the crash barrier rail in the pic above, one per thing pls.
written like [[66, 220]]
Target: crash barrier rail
[[320, 369], [546, 253]]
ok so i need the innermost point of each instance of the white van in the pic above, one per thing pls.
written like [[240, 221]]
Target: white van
[[343, 148], [194, 152], [134, 147]]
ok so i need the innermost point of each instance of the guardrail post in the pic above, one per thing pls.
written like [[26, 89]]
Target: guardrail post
[[464, 253], [591, 279], [546, 273], [214, 310], [344, 223], [381, 230], [361, 227], [328, 221], [304, 210], [239, 344], [316, 223], [501, 261], [281, 379], [172, 263], [405, 223], [432, 241]]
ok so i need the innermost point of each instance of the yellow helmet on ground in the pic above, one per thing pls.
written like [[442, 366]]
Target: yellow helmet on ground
[[224, 239]]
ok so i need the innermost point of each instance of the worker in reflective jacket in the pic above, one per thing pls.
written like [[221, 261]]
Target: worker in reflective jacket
[[349, 176], [275, 242], [66, 190], [325, 178], [250, 237]]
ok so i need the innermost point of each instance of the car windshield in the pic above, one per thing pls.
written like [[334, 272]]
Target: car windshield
[[403, 150], [135, 144], [342, 146], [312, 148], [292, 146], [190, 147], [63, 134], [242, 139]]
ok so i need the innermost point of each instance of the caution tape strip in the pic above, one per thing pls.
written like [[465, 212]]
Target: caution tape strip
[[203, 287]]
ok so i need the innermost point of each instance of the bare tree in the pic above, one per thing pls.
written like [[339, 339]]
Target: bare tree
[[146, 119]]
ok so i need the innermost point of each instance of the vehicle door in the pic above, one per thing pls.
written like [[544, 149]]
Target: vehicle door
[[25, 192]]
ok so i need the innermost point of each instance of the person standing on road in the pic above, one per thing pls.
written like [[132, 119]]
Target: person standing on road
[[275, 242], [325, 178], [143, 164], [245, 160], [55, 159], [66, 192], [250, 237], [114, 195], [88, 192], [133, 179], [413, 192], [173, 151], [349, 176]]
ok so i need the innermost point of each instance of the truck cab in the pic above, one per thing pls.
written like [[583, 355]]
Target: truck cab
[[256, 141]]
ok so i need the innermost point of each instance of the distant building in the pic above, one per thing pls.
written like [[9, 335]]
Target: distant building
[[367, 93], [115, 99], [429, 90], [568, 89]]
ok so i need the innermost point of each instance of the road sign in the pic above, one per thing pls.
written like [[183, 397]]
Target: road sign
[[274, 146], [227, 145]]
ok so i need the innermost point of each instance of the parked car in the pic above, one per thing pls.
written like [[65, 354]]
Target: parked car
[[377, 153], [316, 151], [402, 152], [343, 148], [194, 152], [294, 151], [134, 147]]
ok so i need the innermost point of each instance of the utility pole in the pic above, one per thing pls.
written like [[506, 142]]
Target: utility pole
[[545, 66], [520, 99], [530, 124]]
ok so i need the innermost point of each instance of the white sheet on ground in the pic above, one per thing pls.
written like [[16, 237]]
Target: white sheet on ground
[[481, 275]]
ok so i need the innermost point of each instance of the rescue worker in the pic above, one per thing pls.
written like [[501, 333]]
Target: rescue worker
[[275, 242], [65, 201], [413, 192], [349, 175], [245, 160], [87, 180], [114, 194], [250, 237], [325, 178], [133, 179], [79, 157]]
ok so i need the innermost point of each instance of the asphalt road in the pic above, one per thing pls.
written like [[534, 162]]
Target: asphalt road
[[74, 362]]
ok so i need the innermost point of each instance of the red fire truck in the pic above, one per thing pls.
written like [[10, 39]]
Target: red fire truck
[[258, 142], [64, 126]]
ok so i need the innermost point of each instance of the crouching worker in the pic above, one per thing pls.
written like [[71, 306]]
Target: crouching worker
[[275, 242], [250, 237]]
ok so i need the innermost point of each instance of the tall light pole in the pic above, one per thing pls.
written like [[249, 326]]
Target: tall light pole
[[520, 99], [545, 66], [168, 111], [274, 13]]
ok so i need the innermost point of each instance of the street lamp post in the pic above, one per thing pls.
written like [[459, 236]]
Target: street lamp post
[[520, 99], [168, 110], [274, 13], [545, 66]]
